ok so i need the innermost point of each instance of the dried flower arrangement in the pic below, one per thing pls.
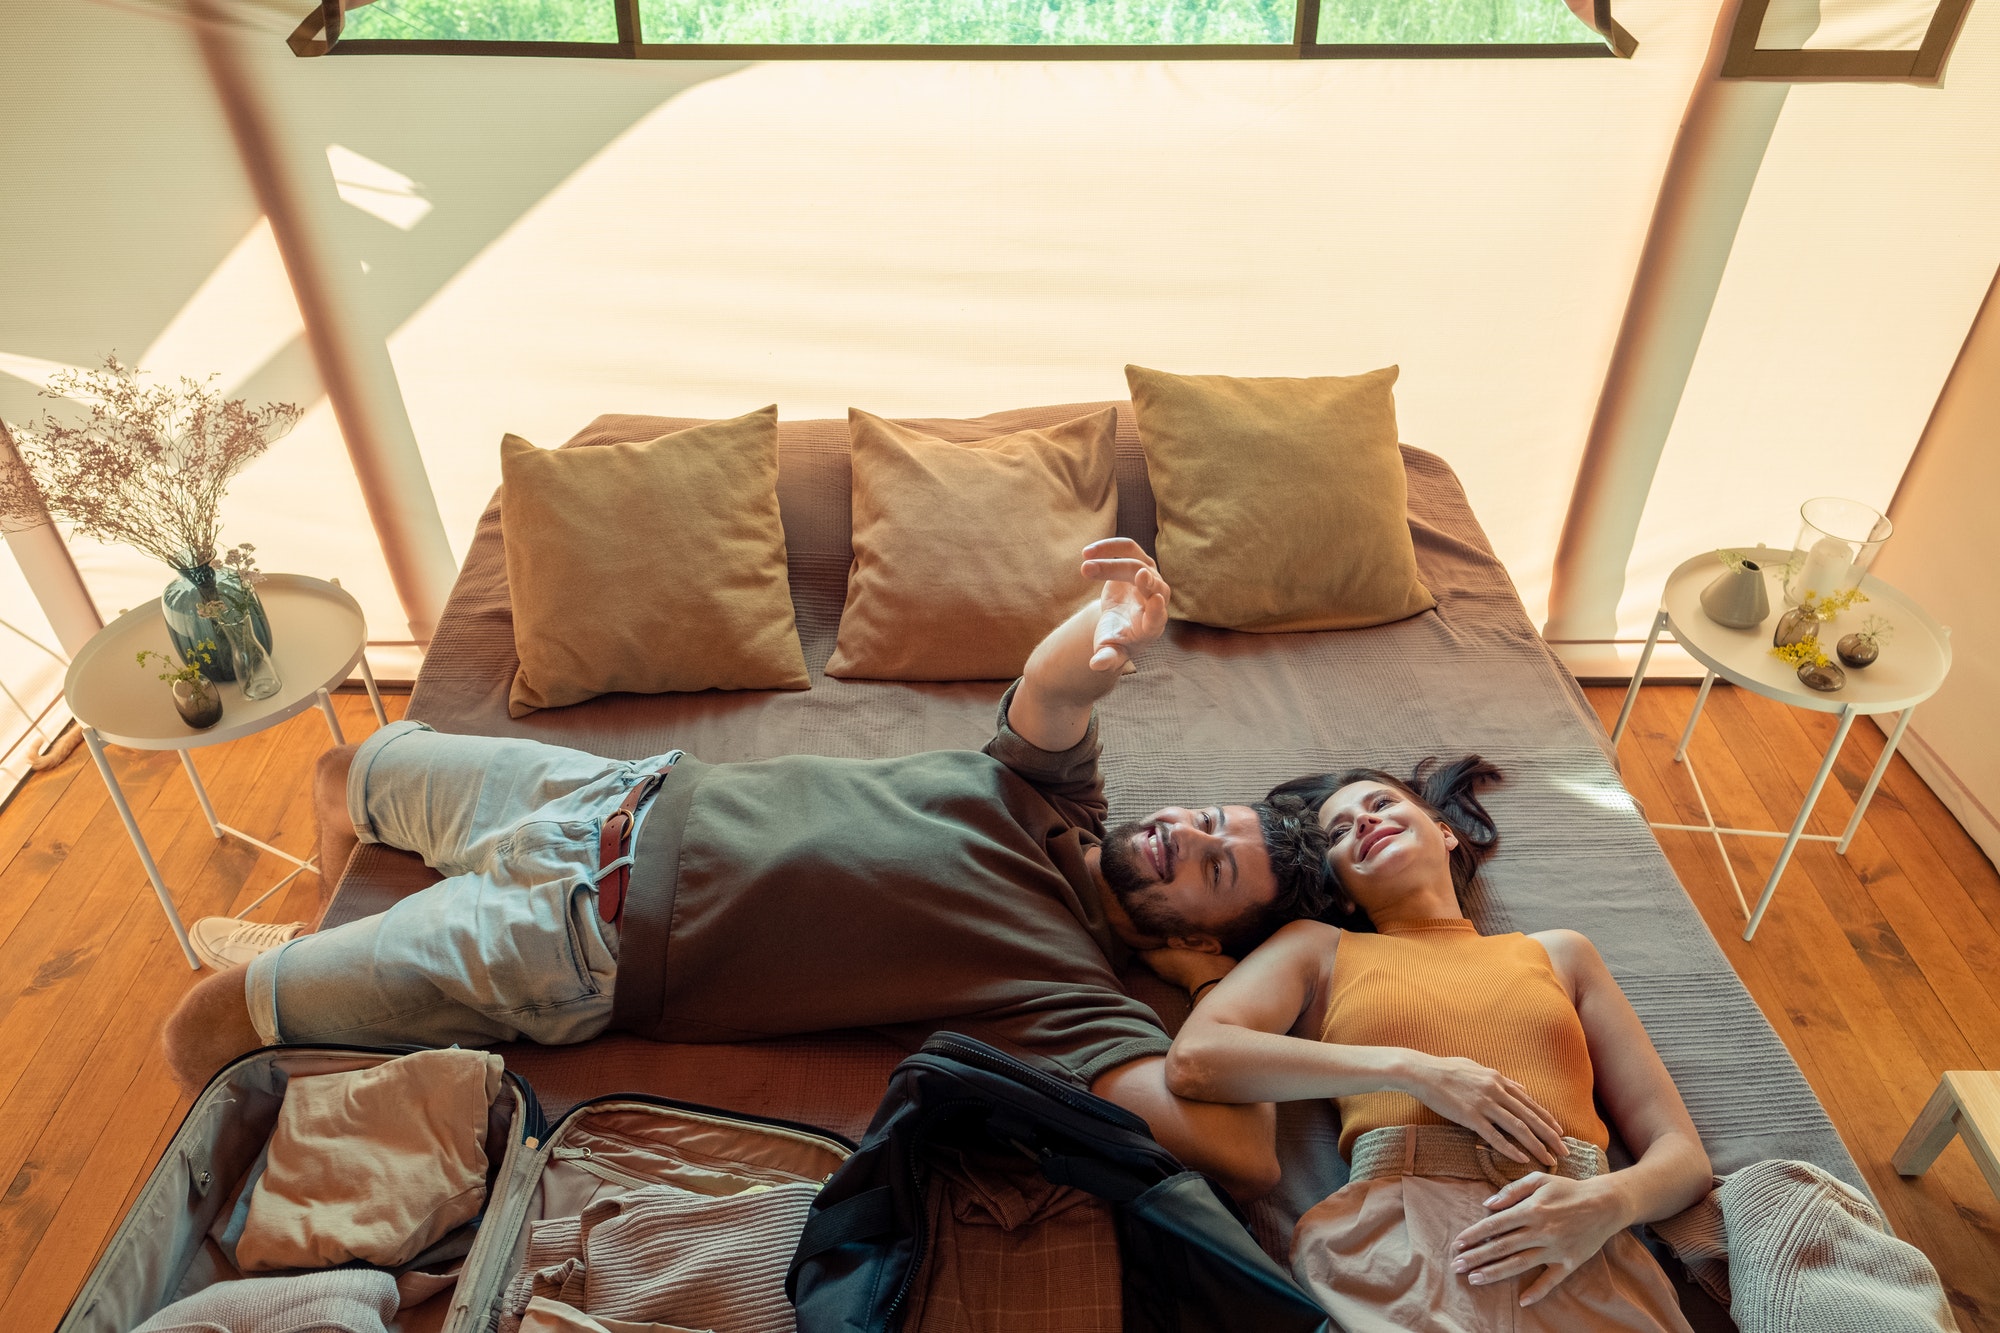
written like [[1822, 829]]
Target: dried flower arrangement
[[1826, 608], [1803, 653], [149, 465], [1875, 631], [1734, 561]]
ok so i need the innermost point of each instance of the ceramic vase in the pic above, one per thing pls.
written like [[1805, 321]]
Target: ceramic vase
[[1825, 678], [198, 702], [1737, 598]]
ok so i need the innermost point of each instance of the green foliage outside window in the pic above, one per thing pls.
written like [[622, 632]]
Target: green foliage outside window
[[973, 22]]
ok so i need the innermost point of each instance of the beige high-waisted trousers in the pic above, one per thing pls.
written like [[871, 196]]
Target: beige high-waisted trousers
[[1377, 1256]]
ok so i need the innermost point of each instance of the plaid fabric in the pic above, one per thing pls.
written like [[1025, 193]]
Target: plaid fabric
[[1007, 1250]]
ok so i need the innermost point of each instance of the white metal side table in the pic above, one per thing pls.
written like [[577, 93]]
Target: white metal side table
[[319, 636], [1909, 671]]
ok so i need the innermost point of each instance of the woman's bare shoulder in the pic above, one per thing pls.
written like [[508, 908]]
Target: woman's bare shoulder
[[1572, 943], [1302, 936], [1573, 956]]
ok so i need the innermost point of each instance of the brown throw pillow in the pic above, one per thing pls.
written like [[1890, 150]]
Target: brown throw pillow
[[966, 554], [1281, 501], [648, 567]]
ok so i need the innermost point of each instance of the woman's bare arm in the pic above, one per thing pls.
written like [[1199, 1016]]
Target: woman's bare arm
[[1557, 1223], [1670, 1170], [1248, 1041]]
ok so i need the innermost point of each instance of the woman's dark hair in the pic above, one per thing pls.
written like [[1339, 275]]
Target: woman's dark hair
[[1448, 792]]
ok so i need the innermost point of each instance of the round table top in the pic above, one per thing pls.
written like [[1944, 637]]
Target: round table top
[[318, 633], [1913, 663]]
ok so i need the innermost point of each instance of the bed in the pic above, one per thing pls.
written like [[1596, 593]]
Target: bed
[[1210, 716]]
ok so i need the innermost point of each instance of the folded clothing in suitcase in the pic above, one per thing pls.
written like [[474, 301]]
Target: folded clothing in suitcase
[[647, 1211], [616, 1174], [183, 1232]]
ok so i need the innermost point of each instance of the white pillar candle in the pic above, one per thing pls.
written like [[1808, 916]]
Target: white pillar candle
[[1826, 569]]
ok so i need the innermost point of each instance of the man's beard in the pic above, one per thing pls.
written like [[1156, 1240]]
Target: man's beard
[[1135, 888]]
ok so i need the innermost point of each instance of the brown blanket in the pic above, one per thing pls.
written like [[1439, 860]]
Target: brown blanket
[[1210, 716]]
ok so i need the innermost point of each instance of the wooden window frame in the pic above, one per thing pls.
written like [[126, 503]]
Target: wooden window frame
[[1746, 60]]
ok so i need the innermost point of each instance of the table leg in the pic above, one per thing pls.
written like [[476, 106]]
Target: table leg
[[1639, 676], [1936, 1126], [1799, 824], [332, 718], [374, 695], [90, 738], [1874, 780], [201, 794], [1700, 700]]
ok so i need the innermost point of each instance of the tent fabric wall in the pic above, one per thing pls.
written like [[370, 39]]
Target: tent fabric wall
[[1863, 255], [1943, 554], [538, 241]]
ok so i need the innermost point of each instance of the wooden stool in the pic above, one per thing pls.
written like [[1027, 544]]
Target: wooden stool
[[1966, 1102]]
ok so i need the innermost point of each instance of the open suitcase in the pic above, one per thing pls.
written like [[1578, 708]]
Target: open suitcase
[[172, 1243]]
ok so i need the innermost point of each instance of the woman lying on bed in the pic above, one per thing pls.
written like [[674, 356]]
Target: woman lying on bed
[[1465, 1067]]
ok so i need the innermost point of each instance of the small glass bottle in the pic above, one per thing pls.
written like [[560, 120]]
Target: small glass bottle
[[254, 668]]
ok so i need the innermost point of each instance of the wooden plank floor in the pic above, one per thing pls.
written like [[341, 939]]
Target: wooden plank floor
[[1879, 970]]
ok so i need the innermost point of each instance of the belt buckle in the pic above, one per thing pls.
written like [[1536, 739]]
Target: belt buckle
[[1500, 1171]]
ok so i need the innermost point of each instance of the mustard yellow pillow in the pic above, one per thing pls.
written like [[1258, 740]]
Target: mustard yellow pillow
[[1281, 501], [648, 567], [966, 553]]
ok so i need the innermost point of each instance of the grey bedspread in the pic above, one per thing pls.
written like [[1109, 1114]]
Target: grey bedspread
[[1209, 716]]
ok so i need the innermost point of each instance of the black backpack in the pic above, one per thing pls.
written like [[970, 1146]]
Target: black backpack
[[1189, 1265]]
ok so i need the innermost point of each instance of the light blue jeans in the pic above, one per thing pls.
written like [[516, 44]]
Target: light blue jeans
[[509, 946]]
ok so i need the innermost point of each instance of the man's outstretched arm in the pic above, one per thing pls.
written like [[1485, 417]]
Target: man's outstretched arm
[[1080, 661], [1237, 1145]]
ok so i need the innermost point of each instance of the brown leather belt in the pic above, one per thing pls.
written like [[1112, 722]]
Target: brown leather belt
[[1456, 1153], [613, 840]]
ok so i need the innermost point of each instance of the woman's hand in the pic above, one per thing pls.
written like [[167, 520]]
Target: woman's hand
[[1488, 1103], [1133, 609], [1543, 1221], [1188, 968]]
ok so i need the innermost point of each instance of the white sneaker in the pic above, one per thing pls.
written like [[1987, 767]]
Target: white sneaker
[[224, 941]]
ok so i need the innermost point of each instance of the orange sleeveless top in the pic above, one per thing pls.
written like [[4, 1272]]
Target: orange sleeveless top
[[1442, 988]]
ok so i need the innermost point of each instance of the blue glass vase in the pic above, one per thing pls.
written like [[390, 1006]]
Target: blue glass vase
[[186, 626]]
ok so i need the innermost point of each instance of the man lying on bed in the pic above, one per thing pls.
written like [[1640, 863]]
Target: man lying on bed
[[955, 889]]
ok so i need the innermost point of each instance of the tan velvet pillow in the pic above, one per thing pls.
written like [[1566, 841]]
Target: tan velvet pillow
[[1281, 501], [648, 567], [966, 554]]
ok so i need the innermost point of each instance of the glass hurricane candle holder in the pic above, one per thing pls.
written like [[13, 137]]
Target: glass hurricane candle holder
[[1838, 540]]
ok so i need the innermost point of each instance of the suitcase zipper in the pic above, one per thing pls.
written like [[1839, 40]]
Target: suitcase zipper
[[920, 1224], [586, 1159]]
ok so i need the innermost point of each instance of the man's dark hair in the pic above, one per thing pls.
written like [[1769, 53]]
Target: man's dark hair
[[1297, 847]]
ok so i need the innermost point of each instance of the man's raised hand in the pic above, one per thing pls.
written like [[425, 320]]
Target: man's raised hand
[[1133, 609]]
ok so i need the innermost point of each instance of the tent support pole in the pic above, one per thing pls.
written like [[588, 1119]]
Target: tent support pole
[[45, 561], [1703, 193], [353, 365]]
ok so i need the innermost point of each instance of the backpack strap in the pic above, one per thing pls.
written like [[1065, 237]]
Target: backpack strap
[[869, 1213]]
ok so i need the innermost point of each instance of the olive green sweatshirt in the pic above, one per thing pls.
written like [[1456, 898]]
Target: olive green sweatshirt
[[935, 891]]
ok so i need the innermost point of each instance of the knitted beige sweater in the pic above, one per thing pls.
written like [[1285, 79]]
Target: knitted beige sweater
[[1790, 1249]]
